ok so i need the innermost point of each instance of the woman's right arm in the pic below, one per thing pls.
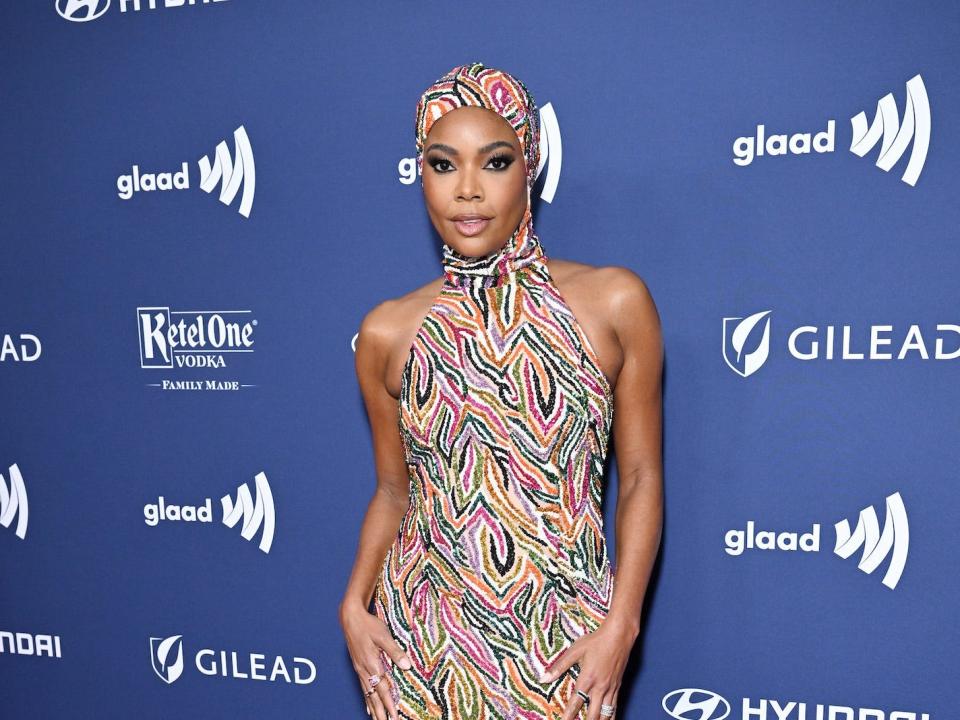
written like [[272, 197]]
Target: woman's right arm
[[365, 633]]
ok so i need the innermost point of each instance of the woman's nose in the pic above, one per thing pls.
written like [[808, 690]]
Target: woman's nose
[[468, 185]]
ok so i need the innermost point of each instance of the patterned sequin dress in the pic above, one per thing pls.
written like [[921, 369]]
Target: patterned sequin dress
[[500, 562]]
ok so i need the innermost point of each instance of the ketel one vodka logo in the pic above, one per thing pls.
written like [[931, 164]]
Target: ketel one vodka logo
[[747, 345], [204, 339], [893, 135], [230, 173], [13, 502], [551, 149], [167, 659], [893, 541], [254, 515]]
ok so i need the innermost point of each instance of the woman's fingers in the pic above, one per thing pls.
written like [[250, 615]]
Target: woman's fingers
[[383, 693], [574, 704], [568, 658], [375, 651], [609, 698], [378, 710], [598, 696], [385, 687], [393, 650], [378, 702]]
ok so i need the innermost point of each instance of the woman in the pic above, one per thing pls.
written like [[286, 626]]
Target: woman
[[483, 547]]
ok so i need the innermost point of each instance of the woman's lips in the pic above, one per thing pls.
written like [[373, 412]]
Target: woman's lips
[[471, 227]]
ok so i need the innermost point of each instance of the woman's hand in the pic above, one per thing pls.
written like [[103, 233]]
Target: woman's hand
[[367, 637], [602, 656]]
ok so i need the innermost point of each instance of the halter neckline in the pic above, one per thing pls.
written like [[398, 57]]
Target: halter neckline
[[521, 250]]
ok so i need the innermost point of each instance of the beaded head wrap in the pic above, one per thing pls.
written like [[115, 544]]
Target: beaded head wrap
[[484, 87], [496, 90]]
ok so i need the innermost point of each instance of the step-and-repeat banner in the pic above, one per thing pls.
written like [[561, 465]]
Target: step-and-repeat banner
[[203, 198]]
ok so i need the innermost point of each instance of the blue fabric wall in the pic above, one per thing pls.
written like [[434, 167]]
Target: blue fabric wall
[[654, 104]]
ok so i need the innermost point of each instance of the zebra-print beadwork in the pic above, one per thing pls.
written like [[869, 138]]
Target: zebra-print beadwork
[[500, 561]]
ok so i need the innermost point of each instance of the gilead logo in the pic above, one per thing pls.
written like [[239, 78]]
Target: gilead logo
[[893, 135], [893, 541], [746, 342], [26, 348], [256, 515], [166, 657], [740, 358]]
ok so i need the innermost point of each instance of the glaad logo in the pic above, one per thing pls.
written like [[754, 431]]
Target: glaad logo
[[740, 361], [82, 10], [876, 545], [166, 657], [29, 349], [692, 704], [231, 172], [695, 704], [177, 339], [29, 644], [886, 124], [744, 352], [13, 502], [893, 541], [256, 514], [896, 137], [551, 148]]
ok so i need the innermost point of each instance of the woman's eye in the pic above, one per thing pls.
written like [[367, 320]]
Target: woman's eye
[[502, 161], [439, 164]]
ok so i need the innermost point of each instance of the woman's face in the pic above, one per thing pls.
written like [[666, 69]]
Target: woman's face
[[473, 165]]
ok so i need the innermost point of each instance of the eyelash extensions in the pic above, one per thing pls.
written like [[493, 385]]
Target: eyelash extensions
[[504, 158]]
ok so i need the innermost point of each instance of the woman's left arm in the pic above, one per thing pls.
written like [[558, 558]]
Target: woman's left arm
[[637, 436]]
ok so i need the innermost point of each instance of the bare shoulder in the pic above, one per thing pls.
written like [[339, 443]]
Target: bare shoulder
[[387, 331], [618, 293], [629, 295]]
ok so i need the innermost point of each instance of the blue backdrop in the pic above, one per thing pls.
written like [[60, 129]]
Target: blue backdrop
[[201, 200]]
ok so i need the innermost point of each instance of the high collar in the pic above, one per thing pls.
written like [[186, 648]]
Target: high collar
[[520, 251]]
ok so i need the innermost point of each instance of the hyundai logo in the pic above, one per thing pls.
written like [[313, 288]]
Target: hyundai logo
[[695, 704], [82, 10]]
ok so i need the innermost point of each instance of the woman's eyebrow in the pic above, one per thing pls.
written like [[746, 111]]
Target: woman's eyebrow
[[482, 151]]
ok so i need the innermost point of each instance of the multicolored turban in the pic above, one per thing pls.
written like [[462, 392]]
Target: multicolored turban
[[489, 88]]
